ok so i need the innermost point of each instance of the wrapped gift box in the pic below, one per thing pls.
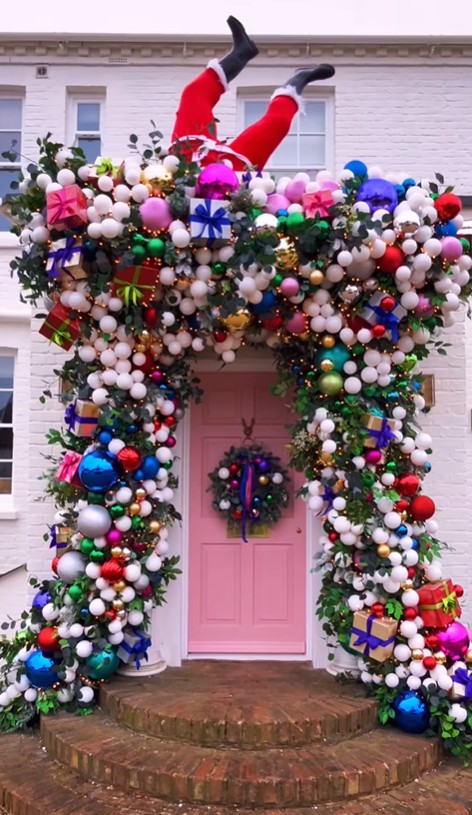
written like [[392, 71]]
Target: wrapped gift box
[[438, 605], [375, 315], [136, 285], [380, 430], [65, 260], [101, 167], [373, 636], [134, 646], [209, 222], [66, 208], [461, 682], [60, 327], [68, 468], [82, 417], [317, 203], [60, 538]]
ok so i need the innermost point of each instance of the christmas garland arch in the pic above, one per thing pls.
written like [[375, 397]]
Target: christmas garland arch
[[145, 263]]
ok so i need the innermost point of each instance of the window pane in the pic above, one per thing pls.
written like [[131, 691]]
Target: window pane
[[10, 140], [314, 120], [10, 114], [88, 116], [6, 405], [5, 477], [253, 111], [91, 147], [6, 443], [286, 153], [6, 177], [6, 371], [312, 151]]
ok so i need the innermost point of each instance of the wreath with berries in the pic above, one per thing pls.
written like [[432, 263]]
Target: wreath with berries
[[249, 486]]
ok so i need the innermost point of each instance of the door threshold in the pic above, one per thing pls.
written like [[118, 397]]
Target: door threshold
[[252, 657]]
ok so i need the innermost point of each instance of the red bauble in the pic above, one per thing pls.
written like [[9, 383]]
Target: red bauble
[[48, 639], [333, 536], [54, 563], [237, 514], [391, 260], [378, 331], [411, 572], [378, 609], [149, 365], [401, 505], [422, 507], [110, 614], [157, 424], [448, 206], [130, 458], [356, 323], [233, 469], [151, 316], [220, 336], [112, 570], [432, 641], [407, 484], [170, 421], [459, 591], [410, 613], [387, 304], [273, 323], [430, 663]]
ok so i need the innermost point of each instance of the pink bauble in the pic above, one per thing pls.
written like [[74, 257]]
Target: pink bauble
[[114, 537], [155, 214], [424, 307], [297, 323], [295, 191], [454, 640], [289, 287], [171, 441], [373, 456], [276, 202], [216, 181], [451, 249], [329, 185]]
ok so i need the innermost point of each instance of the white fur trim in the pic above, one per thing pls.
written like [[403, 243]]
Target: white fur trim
[[290, 90], [216, 67]]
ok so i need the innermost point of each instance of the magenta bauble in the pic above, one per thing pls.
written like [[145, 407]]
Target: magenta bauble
[[297, 323], [454, 640], [155, 214], [289, 287], [216, 181], [373, 456], [276, 202]]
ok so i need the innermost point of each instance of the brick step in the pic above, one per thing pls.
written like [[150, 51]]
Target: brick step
[[98, 748], [241, 704], [32, 784]]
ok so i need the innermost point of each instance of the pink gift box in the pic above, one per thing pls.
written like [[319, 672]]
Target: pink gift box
[[66, 208]]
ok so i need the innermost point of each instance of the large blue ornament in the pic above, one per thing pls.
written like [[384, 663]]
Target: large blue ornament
[[149, 466], [378, 194], [357, 167], [40, 600], [411, 712], [39, 670], [99, 471], [267, 304], [102, 664]]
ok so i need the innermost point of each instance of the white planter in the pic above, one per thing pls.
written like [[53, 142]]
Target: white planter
[[343, 663]]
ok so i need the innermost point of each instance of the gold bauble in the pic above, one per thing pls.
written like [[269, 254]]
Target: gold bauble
[[417, 654], [120, 585], [134, 509], [316, 277], [263, 480], [116, 551], [468, 655], [155, 527], [326, 365], [327, 459], [407, 585], [155, 173], [286, 256], [304, 336], [238, 321], [383, 550], [139, 348], [440, 657], [182, 283], [328, 341], [140, 493], [118, 605]]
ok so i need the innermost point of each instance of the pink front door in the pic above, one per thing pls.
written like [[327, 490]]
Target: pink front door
[[243, 597]]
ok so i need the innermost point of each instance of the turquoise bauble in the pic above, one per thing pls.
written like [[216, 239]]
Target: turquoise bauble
[[102, 664], [338, 355]]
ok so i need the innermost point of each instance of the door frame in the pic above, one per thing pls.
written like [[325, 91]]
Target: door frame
[[316, 651]]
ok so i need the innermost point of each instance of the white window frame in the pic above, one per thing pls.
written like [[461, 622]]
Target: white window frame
[[9, 353], [6, 237], [91, 97], [264, 95]]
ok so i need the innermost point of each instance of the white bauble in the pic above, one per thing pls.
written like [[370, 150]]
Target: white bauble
[[135, 617], [93, 521], [132, 572], [30, 695], [97, 607], [153, 563], [71, 565], [86, 695], [83, 649]]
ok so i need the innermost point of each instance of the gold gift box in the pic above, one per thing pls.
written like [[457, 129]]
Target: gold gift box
[[372, 636]]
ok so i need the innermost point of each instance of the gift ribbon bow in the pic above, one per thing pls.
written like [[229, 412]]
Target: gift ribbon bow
[[64, 203], [448, 604], [318, 203], [71, 417], [463, 677], [68, 466], [388, 319], [106, 166], [62, 256], [368, 639], [245, 495], [61, 334], [132, 292], [329, 495], [138, 650], [211, 222], [54, 541], [383, 436]]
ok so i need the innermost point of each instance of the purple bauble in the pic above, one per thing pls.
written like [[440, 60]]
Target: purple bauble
[[378, 194], [114, 537], [373, 456], [216, 181], [451, 249], [234, 483], [454, 640], [155, 214], [40, 600], [276, 202], [263, 466]]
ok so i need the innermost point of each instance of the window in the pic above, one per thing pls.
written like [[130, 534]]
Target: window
[[86, 120], [6, 423], [11, 110], [308, 144]]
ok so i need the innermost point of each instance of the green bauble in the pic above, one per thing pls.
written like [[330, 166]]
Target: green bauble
[[137, 523], [338, 355], [86, 546], [156, 248], [330, 384], [276, 280], [409, 363], [139, 252], [75, 593], [116, 511], [97, 556], [218, 268], [295, 221], [102, 664], [138, 239]]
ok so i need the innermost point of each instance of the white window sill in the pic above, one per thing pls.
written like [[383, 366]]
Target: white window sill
[[8, 511], [8, 240]]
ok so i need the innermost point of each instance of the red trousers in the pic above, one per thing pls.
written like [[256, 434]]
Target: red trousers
[[254, 145]]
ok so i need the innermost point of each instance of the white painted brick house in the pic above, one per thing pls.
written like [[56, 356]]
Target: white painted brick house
[[404, 105]]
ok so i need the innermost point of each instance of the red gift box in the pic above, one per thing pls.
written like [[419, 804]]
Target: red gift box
[[66, 208], [135, 285], [69, 468], [318, 203], [60, 327], [438, 605]]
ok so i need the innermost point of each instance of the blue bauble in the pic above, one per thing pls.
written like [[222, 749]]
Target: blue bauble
[[149, 466], [40, 599], [39, 670], [138, 475], [408, 182], [263, 466], [411, 712], [357, 168], [267, 304], [102, 664], [105, 437], [378, 194], [401, 531], [449, 229], [99, 471]]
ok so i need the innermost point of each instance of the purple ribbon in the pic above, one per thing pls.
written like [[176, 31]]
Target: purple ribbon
[[383, 436], [61, 256], [139, 649], [367, 638], [245, 495], [54, 543], [388, 319], [247, 177], [463, 677], [71, 417], [329, 495], [211, 222]]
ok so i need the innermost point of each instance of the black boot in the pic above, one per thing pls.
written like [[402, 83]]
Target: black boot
[[243, 50], [304, 76]]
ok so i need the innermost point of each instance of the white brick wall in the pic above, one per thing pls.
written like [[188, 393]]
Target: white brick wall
[[406, 111]]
